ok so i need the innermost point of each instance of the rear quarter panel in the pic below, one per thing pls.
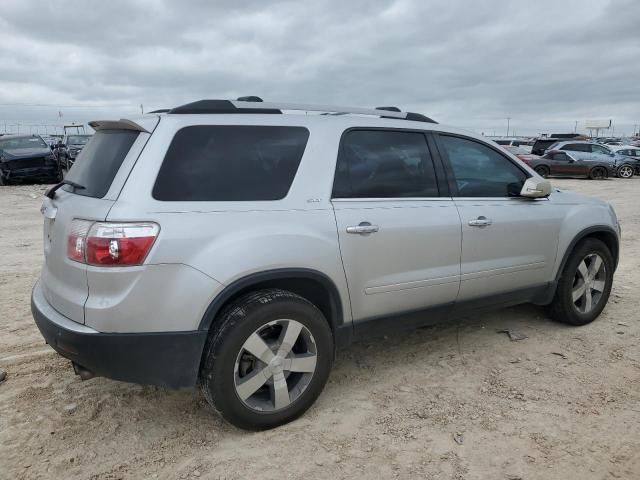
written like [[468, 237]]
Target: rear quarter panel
[[227, 241]]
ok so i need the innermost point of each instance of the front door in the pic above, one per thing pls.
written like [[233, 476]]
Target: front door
[[400, 240], [508, 243]]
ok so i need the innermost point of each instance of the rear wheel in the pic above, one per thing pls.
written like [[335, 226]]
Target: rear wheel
[[542, 171], [585, 284], [597, 173], [268, 359], [625, 171]]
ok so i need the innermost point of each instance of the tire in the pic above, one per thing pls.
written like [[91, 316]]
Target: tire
[[542, 171], [625, 171], [563, 307], [597, 173], [253, 322]]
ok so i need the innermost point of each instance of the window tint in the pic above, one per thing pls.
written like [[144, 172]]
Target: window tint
[[230, 163], [560, 156], [480, 171], [577, 147], [384, 164], [97, 165], [599, 149]]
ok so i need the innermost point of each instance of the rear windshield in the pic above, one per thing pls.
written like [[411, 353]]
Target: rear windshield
[[230, 163], [100, 160]]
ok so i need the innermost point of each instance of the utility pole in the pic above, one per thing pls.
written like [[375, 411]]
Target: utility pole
[[508, 121], [575, 127], [141, 109]]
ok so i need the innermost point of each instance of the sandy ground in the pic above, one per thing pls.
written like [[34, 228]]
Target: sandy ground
[[391, 409]]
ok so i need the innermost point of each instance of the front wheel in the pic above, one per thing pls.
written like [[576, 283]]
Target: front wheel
[[585, 284], [267, 360], [625, 171]]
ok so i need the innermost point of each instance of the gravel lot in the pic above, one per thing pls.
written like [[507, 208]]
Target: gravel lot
[[562, 403]]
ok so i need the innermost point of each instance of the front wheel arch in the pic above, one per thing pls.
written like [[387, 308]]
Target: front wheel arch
[[604, 233]]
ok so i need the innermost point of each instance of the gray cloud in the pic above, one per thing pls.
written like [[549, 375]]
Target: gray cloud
[[546, 64]]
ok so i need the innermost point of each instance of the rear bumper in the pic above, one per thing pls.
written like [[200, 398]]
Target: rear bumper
[[170, 359]]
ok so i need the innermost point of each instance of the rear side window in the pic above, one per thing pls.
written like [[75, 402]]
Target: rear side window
[[384, 164], [577, 147], [230, 163], [99, 162]]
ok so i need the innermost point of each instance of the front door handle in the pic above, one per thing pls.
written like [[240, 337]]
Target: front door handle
[[480, 222], [363, 228]]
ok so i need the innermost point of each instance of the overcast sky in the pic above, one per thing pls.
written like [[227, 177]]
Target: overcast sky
[[545, 64]]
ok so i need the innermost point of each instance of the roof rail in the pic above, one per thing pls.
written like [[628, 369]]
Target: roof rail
[[242, 106]]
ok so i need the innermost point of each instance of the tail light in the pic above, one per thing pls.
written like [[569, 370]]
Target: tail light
[[111, 244]]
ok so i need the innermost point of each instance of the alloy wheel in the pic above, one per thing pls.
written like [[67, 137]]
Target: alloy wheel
[[589, 283], [625, 172], [275, 365]]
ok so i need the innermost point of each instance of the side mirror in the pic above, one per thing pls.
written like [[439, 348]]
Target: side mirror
[[536, 188]]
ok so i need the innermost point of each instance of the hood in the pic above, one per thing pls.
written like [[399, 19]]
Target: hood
[[16, 153], [567, 196]]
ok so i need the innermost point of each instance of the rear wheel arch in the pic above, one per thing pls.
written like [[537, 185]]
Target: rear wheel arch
[[312, 285]]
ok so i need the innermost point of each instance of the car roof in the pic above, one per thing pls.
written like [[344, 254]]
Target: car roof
[[623, 147], [17, 135]]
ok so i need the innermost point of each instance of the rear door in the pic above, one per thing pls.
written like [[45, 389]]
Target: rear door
[[101, 170], [399, 237]]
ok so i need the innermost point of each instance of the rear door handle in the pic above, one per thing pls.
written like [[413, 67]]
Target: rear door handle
[[363, 228], [480, 222]]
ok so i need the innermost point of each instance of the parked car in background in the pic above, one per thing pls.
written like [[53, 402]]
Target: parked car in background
[[68, 149], [631, 153], [26, 157], [624, 167], [541, 144], [520, 152], [559, 163], [524, 143]]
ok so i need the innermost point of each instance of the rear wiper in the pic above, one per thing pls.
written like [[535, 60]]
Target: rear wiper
[[52, 191]]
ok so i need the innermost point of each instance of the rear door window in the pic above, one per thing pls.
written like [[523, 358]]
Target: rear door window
[[577, 147], [230, 163], [384, 164], [100, 160]]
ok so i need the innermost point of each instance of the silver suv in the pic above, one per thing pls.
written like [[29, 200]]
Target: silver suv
[[236, 244]]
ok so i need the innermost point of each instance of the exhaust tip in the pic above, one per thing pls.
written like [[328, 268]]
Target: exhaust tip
[[84, 373]]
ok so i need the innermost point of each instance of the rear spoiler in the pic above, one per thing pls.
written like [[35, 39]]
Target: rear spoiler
[[121, 124]]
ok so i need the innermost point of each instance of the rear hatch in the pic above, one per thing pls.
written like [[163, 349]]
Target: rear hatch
[[101, 170]]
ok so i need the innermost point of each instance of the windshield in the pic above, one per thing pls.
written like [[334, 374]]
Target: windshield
[[18, 143], [78, 139]]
